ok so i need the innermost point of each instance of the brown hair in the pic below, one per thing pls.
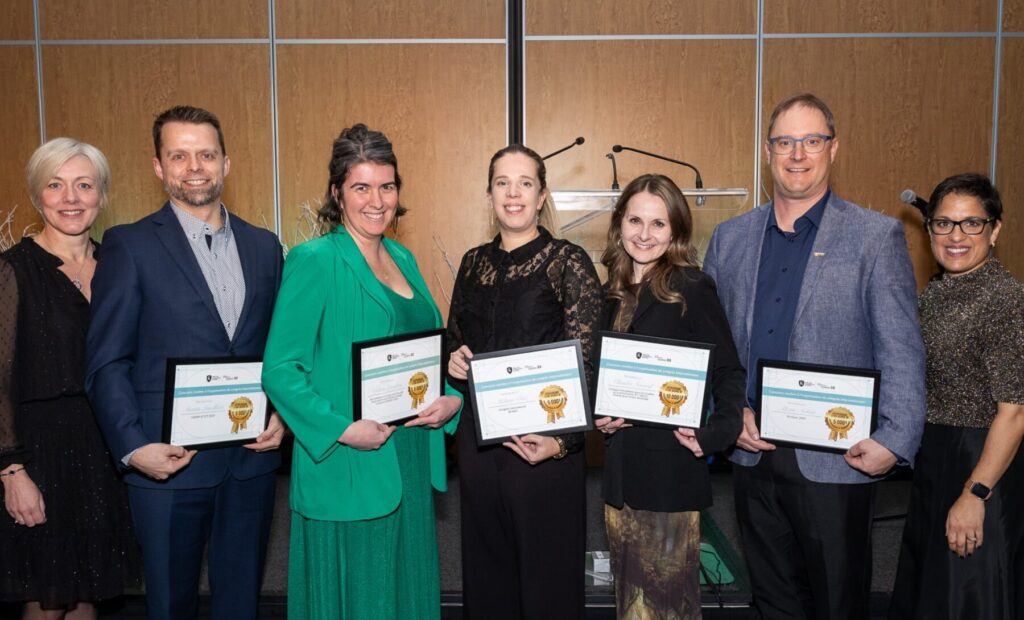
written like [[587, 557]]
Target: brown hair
[[546, 217], [356, 145], [806, 100], [680, 252], [186, 114]]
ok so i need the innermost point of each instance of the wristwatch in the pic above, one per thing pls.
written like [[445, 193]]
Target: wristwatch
[[562, 451], [978, 490]]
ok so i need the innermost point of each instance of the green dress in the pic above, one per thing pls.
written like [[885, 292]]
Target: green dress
[[378, 568]]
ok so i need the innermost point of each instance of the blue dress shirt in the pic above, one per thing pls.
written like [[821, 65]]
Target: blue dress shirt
[[780, 276]]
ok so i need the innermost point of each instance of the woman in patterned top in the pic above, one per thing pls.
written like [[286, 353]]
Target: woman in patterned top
[[523, 525], [963, 555]]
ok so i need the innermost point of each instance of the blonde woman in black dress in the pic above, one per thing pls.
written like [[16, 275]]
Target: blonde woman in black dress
[[66, 543]]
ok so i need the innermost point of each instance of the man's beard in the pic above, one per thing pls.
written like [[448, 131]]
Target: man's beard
[[195, 197]]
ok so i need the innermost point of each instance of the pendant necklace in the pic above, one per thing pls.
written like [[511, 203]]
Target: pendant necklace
[[76, 279]]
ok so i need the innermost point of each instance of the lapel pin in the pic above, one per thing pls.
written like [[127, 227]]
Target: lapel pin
[[819, 253]]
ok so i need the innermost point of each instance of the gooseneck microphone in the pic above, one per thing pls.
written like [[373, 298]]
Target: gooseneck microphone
[[911, 198], [578, 141], [618, 148], [615, 172]]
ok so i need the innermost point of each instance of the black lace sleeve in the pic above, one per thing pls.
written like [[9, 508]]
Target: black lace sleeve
[[582, 302], [11, 450], [580, 293], [456, 312]]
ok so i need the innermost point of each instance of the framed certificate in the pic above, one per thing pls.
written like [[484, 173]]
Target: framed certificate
[[395, 378], [653, 380], [214, 402], [827, 408], [540, 389]]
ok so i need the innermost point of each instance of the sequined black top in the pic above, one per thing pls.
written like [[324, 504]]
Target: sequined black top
[[544, 291], [973, 328], [43, 318]]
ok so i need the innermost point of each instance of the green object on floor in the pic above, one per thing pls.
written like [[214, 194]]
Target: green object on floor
[[713, 566]]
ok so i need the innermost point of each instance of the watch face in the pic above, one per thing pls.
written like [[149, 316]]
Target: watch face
[[980, 490]]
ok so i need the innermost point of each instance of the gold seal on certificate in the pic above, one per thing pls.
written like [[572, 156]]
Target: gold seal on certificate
[[201, 392], [839, 421], [672, 394], [239, 412], [553, 400], [418, 384]]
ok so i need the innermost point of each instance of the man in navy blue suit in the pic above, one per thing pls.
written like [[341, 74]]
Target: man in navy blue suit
[[187, 281]]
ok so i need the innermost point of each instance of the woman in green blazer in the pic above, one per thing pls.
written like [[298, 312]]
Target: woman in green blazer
[[363, 543]]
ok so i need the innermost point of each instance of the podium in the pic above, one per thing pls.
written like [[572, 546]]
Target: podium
[[595, 203]]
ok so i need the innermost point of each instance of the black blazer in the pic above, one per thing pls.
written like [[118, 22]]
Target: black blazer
[[647, 467]]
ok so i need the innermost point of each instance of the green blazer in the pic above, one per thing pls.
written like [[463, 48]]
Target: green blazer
[[329, 299]]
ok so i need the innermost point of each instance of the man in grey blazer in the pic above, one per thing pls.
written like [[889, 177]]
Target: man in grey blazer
[[812, 278]]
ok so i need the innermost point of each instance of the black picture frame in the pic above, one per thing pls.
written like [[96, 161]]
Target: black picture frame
[[821, 369], [168, 419], [359, 348], [683, 344], [582, 377]]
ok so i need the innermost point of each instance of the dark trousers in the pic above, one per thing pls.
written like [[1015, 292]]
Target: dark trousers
[[174, 526], [523, 533], [808, 544]]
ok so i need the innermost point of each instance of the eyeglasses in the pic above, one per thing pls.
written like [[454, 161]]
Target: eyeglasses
[[970, 226], [784, 145]]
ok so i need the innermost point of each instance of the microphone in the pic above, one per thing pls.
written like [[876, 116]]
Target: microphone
[[615, 172], [575, 142], [618, 148], [911, 198]]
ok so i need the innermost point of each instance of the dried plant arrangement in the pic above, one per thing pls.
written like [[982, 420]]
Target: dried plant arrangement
[[7, 238], [452, 269]]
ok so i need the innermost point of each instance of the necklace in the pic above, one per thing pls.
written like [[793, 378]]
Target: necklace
[[76, 279]]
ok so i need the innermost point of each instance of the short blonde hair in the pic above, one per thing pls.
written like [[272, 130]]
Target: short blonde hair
[[48, 158]]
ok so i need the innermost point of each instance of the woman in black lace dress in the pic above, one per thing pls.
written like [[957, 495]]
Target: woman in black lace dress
[[523, 525], [66, 541]]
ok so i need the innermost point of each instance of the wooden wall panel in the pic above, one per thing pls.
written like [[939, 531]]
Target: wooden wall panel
[[442, 106], [153, 19], [1013, 15], [109, 96], [689, 100], [19, 124], [880, 16], [390, 19], [898, 128], [553, 17], [1010, 158], [19, 21]]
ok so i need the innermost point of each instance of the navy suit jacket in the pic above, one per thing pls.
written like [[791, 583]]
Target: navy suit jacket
[[857, 307], [151, 302]]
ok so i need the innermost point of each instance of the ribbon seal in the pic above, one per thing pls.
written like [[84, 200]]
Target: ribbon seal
[[418, 384], [239, 411], [672, 394], [553, 400], [839, 420]]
